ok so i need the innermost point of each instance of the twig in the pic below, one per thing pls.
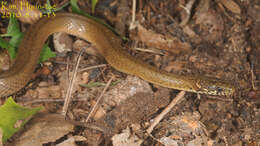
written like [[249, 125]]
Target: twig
[[71, 85], [84, 68], [67, 68], [187, 9], [92, 67], [83, 124], [132, 24], [165, 111], [99, 98], [64, 63], [41, 100], [253, 78], [150, 50]]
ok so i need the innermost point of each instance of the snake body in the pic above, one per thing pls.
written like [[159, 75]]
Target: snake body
[[109, 46]]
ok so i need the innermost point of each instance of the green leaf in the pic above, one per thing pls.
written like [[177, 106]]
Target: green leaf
[[93, 5], [11, 50], [46, 53], [13, 117], [16, 39], [13, 26], [50, 9], [74, 7], [16, 35], [14, 31], [61, 7]]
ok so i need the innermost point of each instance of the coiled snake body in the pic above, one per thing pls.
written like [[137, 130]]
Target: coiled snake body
[[108, 45]]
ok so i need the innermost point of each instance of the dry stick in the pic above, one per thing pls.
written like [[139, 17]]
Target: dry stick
[[65, 63], [67, 68], [150, 50], [71, 85], [84, 68], [93, 67], [165, 111], [132, 24], [42, 100], [252, 78], [98, 100], [187, 8]]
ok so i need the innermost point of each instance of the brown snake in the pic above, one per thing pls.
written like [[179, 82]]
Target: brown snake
[[109, 46]]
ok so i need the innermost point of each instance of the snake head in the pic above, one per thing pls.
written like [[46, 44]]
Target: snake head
[[215, 87]]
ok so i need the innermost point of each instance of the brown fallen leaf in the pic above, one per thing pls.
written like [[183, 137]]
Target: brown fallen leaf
[[45, 90], [44, 128], [121, 92], [134, 110], [5, 61], [231, 6], [44, 71], [156, 40], [125, 89], [126, 138], [62, 42], [181, 128], [71, 141], [90, 49]]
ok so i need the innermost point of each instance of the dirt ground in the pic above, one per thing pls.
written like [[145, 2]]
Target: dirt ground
[[197, 37]]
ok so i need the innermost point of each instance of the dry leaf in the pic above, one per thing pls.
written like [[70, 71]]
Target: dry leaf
[[169, 43], [167, 141], [44, 128], [62, 42], [126, 139], [71, 141], [5, 61], [182, 127], [231, 6], [126, 89], [90, 49]]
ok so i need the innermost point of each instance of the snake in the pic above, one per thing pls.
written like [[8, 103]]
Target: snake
[[108, 44]]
